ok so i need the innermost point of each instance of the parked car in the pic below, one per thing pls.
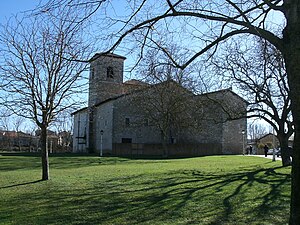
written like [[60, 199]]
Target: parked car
[[278, 151]]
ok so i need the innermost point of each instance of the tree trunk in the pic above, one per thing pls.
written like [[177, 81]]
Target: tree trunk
[[285, 153], [165, 145], [295, 193], [294, 78], [45, 158], [291, 52], [285, 156]]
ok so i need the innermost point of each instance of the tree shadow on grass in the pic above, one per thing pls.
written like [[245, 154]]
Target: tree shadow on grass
[[18, 161], [172, 197], [206, 192], [21, 184], [269, 194], [11, 163]]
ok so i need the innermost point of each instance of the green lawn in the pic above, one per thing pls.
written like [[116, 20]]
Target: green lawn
[[92, 190]]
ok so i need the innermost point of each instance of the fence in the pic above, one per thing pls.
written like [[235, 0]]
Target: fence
[[174, 150]]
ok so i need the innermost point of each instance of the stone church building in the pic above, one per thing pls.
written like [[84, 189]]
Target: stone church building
[[134, 118]]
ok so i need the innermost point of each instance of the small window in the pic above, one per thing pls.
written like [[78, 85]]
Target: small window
[[110, 72], [126, 140], [92, 73], [127, 122], [139, 133], [173, 140], [146, 122]]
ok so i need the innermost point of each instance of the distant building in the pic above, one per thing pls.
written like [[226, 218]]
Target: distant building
[[132, 118], [268, 139], [23, 142], [271, 141], [57, 142], [65, 141], [17, 141]]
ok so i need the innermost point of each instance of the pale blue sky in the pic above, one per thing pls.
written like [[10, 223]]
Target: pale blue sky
[[11, 7]]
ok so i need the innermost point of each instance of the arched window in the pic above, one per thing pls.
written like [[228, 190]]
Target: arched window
[[110, 72]]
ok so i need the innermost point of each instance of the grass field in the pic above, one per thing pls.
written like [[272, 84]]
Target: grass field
[[91, 190]]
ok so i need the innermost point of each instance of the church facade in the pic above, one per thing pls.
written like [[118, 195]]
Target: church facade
[[165, 119]]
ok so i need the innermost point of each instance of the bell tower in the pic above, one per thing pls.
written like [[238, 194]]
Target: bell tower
[[105, 82], [106, 77]]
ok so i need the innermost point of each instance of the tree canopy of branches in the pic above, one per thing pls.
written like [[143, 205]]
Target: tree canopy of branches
[[201, 26], [260, 76], [155, 67], [167, 106], [39, 77], [256, 130]]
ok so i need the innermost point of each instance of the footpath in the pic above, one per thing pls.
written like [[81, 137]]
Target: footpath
[[268, 157]]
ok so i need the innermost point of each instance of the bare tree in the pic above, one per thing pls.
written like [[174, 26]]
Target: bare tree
[[17, 123], [156, 67], [165, 102], [173, 105], [39, 77], [5, 120], [256, 130], [64, 127], [5, 123], [260, 76], [202, 26], [165, 106]]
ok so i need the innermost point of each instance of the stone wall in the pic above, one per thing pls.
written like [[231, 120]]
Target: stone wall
[[174, 150], [103, 120], [233, 137], [131, 123], [80, 131], [212, 125]]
